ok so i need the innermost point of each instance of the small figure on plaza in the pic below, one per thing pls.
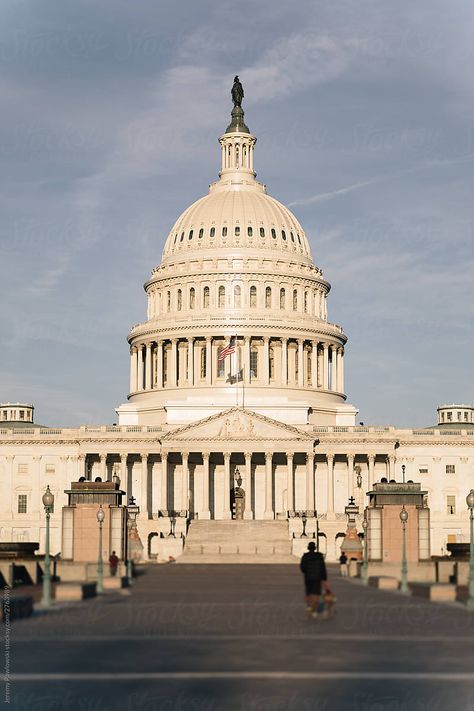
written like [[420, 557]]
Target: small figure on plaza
[[313, 567], [113, 563], [237, 92], [343, 564]]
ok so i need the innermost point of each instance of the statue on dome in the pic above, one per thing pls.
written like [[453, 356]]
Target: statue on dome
[[237, 92]]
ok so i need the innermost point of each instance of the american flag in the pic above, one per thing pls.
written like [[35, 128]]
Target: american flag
[[229, 349]]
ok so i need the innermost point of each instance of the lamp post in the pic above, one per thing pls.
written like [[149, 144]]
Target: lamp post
[[48, 503], [100, 563], [365, 564], [132, 512], [404, 581], [304, 521], [470, 504]]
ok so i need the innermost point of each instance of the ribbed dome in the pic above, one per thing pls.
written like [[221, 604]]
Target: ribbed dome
[[241, 216]]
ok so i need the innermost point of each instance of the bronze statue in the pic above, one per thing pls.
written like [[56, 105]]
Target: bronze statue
[[237, 92]]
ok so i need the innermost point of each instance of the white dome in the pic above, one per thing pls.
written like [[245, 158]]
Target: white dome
[[236, 218]]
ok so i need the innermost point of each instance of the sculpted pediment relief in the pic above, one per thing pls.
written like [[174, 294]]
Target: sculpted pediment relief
[[237, 424]]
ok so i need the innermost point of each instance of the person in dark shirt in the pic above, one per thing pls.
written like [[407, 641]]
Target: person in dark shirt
[[313, 567]]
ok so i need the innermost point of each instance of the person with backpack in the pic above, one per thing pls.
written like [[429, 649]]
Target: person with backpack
[[313, 567]]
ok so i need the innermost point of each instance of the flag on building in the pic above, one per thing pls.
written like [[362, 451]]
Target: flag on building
[[229, 349]]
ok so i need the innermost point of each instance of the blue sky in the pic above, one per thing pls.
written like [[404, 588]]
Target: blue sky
[[364, 114]]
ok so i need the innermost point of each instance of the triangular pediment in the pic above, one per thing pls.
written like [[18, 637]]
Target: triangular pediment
[[237, 424]]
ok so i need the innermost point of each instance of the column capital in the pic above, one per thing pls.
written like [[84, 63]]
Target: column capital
[[309, 455], [208, 339], [174, 340], [268, 455], [350, 455], [148, 344], [205, 456], [81, 457], [330, 458], [144, 456], [371, 458], [289, 455], [266, 339], [248, 455], [185, 455], [37, 458], [164, 455], [247, 339], [133, 349], [226, 456], [191, 339]]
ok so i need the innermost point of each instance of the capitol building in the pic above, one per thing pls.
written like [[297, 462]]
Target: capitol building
[[237, 410]]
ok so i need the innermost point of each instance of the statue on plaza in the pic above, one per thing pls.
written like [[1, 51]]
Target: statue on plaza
[[237, 92]]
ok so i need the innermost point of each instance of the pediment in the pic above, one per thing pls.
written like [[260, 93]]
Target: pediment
[[237, 424]]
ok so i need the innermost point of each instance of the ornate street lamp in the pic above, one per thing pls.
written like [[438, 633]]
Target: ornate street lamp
[[404, 581], [132, 512], [403, 472], [100, 563], [470, 505], [365, 564], [304, 521], [48, 503]]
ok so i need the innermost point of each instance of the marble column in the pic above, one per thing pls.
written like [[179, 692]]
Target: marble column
[[284, 361], [290, 492], [133, 369], [148, 367], [226, 513], [140, 367], [391, 467], [173, 364], [330, 483], [208, 360], [103, 466], [300, 363], [248, 486], [340, 371], [334, 368], [310, 482], [185, 503], [314, 364], [350, 475], [159, 364], [143, 503], [205, 513], [325, 366], [371, 458], [266, 360], [268, 514], [164, 481], [190, 361], [339, 386], [247, 360]]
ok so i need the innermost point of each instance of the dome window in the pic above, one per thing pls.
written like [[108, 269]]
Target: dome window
[[182, 237], [237, 231], [224, 231], [168, 300], [274, 234], [192, 297], [201, 233], [221, 301], [295, 300], [299, 238], [306, 302], [292, 236], [205, 297], [175, 238], [282, 298], [237, 297], [253, 297], [249, 231], [180, 300], [190, 234], [213, 232], [283, 235], [268, 298], [262, 232]]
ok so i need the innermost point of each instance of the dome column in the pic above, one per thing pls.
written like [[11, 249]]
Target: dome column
[[325, 366], [159, 364], [334, 368], [133, 369], [300, 363], [340, 370], [314, 358], [148, 367], [266, 360], [173, 362], [140, 367], [208, 360], [284, 361], [190, 361]]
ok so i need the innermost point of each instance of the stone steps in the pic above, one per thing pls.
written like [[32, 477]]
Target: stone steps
[[237, 542]]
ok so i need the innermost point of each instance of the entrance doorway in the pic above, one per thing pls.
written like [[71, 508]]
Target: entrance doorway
[[237, 501]]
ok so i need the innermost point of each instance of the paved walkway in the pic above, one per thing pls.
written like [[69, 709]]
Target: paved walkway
[[215, 638]]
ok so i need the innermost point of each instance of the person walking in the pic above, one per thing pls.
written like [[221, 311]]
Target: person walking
[[113, 563], [313, 567], [343, 564]]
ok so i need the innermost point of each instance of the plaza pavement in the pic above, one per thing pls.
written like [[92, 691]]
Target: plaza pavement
[[222, 637]]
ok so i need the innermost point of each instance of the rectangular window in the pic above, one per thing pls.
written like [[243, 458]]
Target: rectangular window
[[22, 415], [220, 363], [451, 505], [423, 470], [254, 363], [23, 469], [450, 469], [22, 503], [449, 415]]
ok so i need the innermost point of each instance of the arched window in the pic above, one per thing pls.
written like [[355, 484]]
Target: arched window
[[249, 231], [292, 236], [224, 231], [237, 297], [192, 297], [190, 234], [221, 301], [262, 232], [309, 364], [212, 232], [282, 299], [180, 300], [306, 302], [220, 363], [271, 363], [253, 297], [237, 231], [205, 297], [168, 300], [203, 363], [254, 363], [283, 235], [201, 233], [295, 300], [268, 297], [165, 364], [274, 234], [182, 237]]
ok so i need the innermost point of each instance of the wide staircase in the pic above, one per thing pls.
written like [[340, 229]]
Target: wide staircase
[[237, 542]]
